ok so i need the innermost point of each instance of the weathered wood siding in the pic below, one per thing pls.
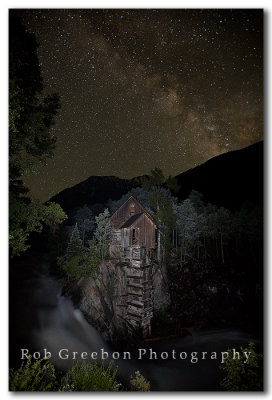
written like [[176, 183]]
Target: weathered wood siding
[[141, 232], [123, 213], [145, 232], [116, 237]]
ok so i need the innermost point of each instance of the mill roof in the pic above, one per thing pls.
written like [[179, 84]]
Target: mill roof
[[135, 200], [130, 221]]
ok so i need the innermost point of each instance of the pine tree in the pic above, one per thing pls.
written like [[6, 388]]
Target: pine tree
[[75, 244], [31, 141], [165, 219], [85, 220], [162, 205], [102, 233]]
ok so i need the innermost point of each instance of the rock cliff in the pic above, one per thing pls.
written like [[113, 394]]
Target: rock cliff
[[105, 299]]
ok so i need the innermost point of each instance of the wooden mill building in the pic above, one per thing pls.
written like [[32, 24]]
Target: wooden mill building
[[133, 236], [133, 226]]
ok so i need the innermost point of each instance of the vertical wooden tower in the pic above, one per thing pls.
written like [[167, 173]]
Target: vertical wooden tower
[[140, 292], [133, 235]]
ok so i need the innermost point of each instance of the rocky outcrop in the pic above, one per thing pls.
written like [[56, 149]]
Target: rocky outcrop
[[106, 299], [102, 299]]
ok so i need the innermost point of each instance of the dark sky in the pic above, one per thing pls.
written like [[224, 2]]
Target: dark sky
[[147, 88]]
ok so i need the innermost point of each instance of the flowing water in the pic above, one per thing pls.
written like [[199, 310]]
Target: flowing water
[[47, 320]]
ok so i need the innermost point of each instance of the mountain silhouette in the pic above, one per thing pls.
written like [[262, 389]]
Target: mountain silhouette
[[232, 180]]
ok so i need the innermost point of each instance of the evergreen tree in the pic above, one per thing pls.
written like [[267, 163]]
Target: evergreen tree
[[102, 233], [85, 221], [165, 219], [155, 180], [172, 184], [30, 140], [75, 244], [196, 199], [162, 206], [30, 114]]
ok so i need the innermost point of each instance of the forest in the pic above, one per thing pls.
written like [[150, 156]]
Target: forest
[[201, 243]]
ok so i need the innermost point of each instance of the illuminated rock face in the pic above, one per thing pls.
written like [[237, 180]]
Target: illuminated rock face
[[120, 298], [124, 295]]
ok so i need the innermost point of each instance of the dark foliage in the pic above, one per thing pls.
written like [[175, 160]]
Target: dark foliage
[[30, 140]]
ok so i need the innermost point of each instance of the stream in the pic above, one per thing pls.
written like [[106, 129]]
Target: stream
[[41, 318]]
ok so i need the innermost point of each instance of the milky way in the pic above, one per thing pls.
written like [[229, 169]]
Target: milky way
[[146, 88]]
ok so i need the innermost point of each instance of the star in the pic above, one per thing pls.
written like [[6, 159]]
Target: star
[[152, 87]]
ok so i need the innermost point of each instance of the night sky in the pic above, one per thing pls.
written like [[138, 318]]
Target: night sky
[[146, 88]]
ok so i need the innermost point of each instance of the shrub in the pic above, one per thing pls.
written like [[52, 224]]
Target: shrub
[[92, 259], [75, 245], [83, 266], [240, 376], [87, 376], [40, 376], [139, 383], [33, 377]]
